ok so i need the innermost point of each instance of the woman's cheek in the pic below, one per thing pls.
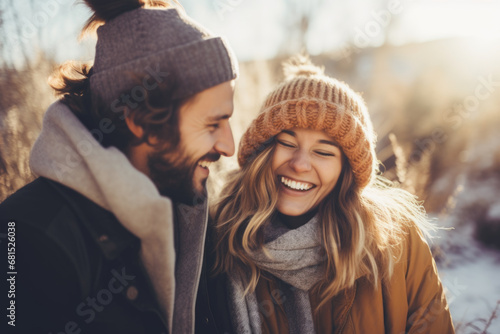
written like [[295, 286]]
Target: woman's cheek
[[279, 157]]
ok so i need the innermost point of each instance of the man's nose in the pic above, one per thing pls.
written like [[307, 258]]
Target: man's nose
[[225, 143]]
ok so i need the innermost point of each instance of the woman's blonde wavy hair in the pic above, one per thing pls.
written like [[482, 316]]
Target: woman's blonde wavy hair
[[362, 230]]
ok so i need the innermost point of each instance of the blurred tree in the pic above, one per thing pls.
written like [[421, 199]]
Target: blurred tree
[[13, 35], [2, 40], [24, 92], [297, 20]]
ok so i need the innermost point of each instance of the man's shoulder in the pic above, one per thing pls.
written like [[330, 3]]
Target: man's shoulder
[[37, 203], [48, 209]]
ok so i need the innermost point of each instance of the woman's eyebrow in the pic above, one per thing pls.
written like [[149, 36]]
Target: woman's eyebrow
[[289, 132], [329, 142], [321, 141]]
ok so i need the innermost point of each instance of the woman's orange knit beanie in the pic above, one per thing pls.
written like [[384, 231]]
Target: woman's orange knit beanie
[[310, 99]]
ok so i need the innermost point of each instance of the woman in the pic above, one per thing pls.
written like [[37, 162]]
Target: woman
[[309, 238]]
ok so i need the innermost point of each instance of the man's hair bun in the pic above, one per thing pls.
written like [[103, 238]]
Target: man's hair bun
[[105, 10], [301, 65]]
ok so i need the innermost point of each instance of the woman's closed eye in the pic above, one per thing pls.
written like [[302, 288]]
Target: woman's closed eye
[[325, 154], [286, 144]]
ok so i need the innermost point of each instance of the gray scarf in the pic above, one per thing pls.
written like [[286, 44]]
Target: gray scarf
[[295, 260], [66, 152]]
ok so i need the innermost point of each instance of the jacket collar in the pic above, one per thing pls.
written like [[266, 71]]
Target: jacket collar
[[108, 233], [343, 305]]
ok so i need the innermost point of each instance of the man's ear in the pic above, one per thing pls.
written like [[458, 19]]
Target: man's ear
[[137, 130]]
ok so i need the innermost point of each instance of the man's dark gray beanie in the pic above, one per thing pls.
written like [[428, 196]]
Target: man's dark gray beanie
[[153, 45]]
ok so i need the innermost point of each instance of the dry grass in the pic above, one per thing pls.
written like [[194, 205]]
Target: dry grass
[[479, 325], [437, 174], [25, 96]]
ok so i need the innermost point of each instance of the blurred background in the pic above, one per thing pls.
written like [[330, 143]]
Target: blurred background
[[429, 72]]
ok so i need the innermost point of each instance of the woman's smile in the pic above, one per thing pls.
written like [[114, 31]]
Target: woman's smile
[[295, 185], [307, 164]]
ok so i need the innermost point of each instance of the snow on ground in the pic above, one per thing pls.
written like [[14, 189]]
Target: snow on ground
[[470, 274]]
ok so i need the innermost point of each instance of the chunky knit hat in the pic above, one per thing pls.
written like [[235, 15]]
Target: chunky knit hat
[[309, 99], [154, 44]]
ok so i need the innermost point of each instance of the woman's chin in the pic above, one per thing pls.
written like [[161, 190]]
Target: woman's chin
[[292, 209]]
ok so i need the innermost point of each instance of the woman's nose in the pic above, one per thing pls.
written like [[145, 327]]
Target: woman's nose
[[300, 162]]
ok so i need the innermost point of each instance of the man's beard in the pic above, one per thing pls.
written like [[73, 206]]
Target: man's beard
[[175, 179]]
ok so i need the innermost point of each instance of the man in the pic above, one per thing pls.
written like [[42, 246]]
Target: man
[[110, 237]]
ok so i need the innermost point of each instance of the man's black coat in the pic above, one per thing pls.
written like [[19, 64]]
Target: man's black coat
[[78, 269]]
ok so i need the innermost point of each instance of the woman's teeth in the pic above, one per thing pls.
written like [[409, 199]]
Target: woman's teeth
[[205, 164], [295, 184]]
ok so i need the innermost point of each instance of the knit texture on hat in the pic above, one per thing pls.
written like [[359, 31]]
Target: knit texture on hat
[[309, 99], [156, 45]]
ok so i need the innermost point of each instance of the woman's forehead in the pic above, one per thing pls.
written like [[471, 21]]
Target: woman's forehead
[[316, 135]]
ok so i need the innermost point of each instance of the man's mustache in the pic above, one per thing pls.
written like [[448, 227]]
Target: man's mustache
[[210, 157]]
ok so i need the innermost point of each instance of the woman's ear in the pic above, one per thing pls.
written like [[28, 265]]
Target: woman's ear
[[137, 130]]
